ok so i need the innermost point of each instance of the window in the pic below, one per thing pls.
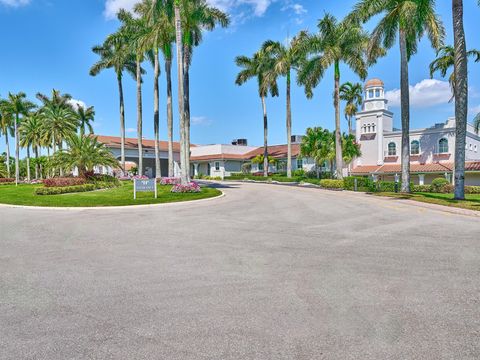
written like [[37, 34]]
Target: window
[[373, 128], [217, 165], [475, 148], [471, 147], [415, 147], [392, 149], [369, 128], [443, 146], [377, 93], [260, 167], [370, 94], [299, 163]]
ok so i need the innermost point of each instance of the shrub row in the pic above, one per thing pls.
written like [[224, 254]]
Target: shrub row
[[446, 189], [363, 183], [332, 184], [75, 188], [65, 189], [7, 180], [191, 187]]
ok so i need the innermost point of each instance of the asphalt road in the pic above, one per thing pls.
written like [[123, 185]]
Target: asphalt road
[[267, 272]]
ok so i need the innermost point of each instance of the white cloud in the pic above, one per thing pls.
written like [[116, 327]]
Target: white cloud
[[130, 130], [259, 7], [426, 93], [15, 3], [475, 110], [77, 104], [200, 120]]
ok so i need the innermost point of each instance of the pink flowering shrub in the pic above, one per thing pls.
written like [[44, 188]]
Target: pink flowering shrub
[[169, 181], [140, 177], [191, 187], [67, 181]]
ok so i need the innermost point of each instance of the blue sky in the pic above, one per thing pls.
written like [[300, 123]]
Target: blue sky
[[47, 44]]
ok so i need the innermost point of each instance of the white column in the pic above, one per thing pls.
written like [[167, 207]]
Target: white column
[[379, 140], [195, 168], [421, 179]]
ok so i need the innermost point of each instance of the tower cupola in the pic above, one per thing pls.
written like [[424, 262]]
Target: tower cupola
[[374, 96]]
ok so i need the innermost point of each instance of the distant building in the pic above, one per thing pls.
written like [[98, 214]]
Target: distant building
[[431, 150]]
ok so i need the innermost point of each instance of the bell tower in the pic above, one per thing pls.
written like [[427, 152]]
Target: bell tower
[[372, 122]]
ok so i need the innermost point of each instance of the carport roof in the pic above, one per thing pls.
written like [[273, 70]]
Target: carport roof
[[414, 168], [132, 143]]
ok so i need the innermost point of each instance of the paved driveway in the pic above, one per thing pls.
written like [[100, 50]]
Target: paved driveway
[[267, 272]]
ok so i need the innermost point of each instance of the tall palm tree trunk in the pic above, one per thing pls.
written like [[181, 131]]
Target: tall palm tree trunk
[[139, 118], [186, 105], [178, 35], [289, 127], [168, 72], [35, 150], [17, 152], [122, 122], [265, 138], [405, 110], [461, 97], [60, 148], [29, 178], [7, 144], [156, 116], [338, 133]]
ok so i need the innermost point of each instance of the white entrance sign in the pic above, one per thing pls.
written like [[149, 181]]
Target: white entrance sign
[[140, 185]]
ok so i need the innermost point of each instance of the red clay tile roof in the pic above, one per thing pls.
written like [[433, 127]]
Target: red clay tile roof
[[414, 168], [218, 157], [275, 151], [132, 143]]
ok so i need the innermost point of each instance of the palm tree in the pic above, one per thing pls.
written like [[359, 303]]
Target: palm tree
[[85, 117], [115, 55], [133, 32], [335, 43], [150, 43], [461, 97], [162, 35], [352, 95], [350, 148], [259, 66], [196, 16], [319, 145], [19, 107], [287, 58], [6, 129], [31, 136], [84, 153], [181, 91], [411, 19], [445, 60]]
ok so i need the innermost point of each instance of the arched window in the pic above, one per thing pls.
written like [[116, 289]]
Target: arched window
[[392, 149], [443, 146], [415, 147], [373, 128], [369, 128]]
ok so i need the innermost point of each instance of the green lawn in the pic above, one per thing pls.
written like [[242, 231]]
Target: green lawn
[[472, 202], [122, 196]]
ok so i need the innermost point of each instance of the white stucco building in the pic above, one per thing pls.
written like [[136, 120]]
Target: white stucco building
[[431, 150]]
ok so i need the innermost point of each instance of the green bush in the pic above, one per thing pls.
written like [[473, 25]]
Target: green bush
[[472, 189], [299, 173], [422, 188], [332, 184], [65, 189], [438, 184], [363, 183]]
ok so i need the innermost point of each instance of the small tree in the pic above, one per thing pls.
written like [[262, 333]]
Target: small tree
[[84, 153]]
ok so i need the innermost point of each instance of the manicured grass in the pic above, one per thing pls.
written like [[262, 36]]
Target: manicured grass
[[472, 202], [121, 196]]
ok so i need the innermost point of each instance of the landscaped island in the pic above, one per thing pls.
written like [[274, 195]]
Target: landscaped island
[[119, 196]]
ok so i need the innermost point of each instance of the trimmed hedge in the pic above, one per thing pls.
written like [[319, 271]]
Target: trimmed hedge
[[6, 180], [446, 189], [332, 184], [65, 189], [363, 183]]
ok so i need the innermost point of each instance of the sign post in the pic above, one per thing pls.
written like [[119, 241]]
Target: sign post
[[140, 185]]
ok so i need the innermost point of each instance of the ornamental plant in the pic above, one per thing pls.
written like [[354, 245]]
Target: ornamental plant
[[170, 181], [191, 187], [62, 182]]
